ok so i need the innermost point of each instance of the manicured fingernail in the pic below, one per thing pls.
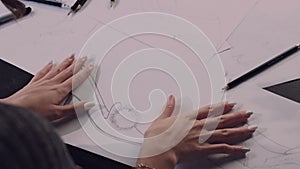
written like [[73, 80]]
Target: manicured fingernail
[[245, 149], [51, 62], [88, 106], [170, 99], [83, 59], [72, 57], [232, 104], [252, 127], [249, 113], [91, 66]]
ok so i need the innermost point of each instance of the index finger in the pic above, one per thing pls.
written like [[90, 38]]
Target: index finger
[[214, 110], [78, 78], [226, 121]]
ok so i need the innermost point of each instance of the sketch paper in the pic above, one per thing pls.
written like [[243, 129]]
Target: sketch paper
[[267, 31], [51, 35], [270, 27], [276, 143]]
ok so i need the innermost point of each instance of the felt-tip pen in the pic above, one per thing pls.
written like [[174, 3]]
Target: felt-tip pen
[[53, 3], [77, 6], [10, 17], [113, 3]]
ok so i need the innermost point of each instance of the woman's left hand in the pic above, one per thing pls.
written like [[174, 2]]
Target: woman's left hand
[[210, 130]]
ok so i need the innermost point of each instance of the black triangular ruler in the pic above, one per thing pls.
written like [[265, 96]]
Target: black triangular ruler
[[12, 79], [289, 90]]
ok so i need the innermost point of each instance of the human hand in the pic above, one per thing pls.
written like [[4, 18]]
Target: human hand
[[49, 88], [178, 139]]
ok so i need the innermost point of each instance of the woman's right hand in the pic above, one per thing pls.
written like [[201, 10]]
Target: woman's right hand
[[200, 135], [48, 89]]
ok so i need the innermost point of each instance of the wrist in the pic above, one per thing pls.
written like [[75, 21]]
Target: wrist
[[13, 101], [4, 101], [167, 160], [10, 100]]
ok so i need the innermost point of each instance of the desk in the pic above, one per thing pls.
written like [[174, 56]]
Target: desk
[[48, 34]]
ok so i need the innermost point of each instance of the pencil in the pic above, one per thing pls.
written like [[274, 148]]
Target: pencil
[[262, 68]]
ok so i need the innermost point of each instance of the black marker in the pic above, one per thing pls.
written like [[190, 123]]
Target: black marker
[[112, 2], [53, 3], [262, 68], [10, 17], [77, 6]]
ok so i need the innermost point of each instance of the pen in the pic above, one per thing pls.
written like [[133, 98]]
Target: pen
[[55, 0], [262, 67], [112, 2], [10, 17], [77, 6], [53, 3]]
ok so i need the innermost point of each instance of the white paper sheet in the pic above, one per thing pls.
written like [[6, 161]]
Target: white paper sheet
[[48, 34], [270, 27], [267, 31]]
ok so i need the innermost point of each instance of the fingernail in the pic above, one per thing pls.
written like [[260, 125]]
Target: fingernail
[[72, 57], [232, 104], [51, 62], [249, 113], [91, 66], [245, 149], [170, 99], [87, 106], [169, 103], [252, 127], [83, 59]]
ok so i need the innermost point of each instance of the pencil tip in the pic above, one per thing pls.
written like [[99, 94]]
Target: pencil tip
[[225, 88]]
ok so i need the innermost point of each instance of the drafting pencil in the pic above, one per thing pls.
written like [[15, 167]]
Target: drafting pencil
[[262, 68]]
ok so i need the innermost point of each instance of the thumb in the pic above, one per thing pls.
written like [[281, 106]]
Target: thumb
[[169, 108]]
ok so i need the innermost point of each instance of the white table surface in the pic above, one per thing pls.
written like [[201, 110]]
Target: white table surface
[[253, 30]]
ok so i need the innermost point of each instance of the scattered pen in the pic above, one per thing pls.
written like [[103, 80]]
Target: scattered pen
[[262, 67], [10, 17], [77, 6], [56, 0], [112, 3], [53, 3]]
